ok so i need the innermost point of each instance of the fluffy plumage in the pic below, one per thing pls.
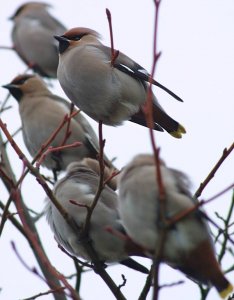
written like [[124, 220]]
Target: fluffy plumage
[[107, 93], [41, 112], [188, 245], [32, 37], [80, 185]]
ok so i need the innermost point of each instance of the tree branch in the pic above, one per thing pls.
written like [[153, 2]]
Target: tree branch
[[225, 154]]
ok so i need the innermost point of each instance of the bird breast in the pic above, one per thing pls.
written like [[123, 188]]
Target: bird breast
[[97, 88]]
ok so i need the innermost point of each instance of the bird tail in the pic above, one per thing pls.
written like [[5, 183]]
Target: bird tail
[[224, 292], [166, 122], [161, 121], [139, 118], [132, 264]]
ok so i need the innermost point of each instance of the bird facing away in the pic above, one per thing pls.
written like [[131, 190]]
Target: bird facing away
[[32, 37], [41, 113], [106, 92], [80, 185], [188, 245]]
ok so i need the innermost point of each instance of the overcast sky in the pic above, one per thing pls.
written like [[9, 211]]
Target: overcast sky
[[197, 63]]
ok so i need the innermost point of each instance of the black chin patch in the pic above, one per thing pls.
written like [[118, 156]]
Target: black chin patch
[[63, 46], [16, 93]]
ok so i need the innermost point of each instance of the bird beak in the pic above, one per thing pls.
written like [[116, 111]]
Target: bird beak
[[59, 38], [9, 86], [63, 43]]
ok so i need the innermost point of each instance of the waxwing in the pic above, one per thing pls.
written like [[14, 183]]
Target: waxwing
[[80, 185], [188, 245], [41, 113], [106, 92], [32, 37]]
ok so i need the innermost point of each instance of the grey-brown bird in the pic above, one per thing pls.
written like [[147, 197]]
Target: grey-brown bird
[[41, 113], [188, 245], [75, 192], [32, 37], [107, 91]]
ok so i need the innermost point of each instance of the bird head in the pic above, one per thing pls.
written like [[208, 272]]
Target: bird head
[[27, 8], [24, 84], [76, 36]]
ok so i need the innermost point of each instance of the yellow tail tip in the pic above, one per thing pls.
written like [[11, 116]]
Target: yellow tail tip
[[223, 294], [178, 133]]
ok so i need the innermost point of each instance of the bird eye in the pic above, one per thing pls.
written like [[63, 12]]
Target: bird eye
[[76, 37]]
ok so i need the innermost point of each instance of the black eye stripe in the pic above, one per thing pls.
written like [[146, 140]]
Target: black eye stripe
[[76, 37]]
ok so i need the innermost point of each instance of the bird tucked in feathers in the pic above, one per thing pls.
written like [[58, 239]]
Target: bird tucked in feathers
[[106, 92], [32, 37], [188, 245], [80, 185], [41, 113]]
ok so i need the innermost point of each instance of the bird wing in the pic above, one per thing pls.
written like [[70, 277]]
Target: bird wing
[[91, 137], [127, 65]]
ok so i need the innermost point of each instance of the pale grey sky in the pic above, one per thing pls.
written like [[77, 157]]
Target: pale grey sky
[[197, 63]]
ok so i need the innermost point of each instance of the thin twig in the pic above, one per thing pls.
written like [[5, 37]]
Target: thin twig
[[114, 53], [225, 232], [46, 144], [85, 229], [5, 109], [23, 262], [113, 175], [148, 110], [225, 154], [14, 221], [190, 210], [123, 283], [68, 132], [4, 103], [13, 135], [148, 284], [56, 149], [84, 264], [58, 290], [5, 214], [169, 285], [230, 269], [7, 48], [79, 271]]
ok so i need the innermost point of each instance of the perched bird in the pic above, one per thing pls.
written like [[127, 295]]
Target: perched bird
[[188, 245], [80, 185], [41, 113], [106, 90], [32, 37]]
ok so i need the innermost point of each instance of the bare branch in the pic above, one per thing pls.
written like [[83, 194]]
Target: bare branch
[[123, 283], [169, 285], [7, 48], [45, 293], [225, 154], [56, 149], [148, 284], [225, 232], [148, 110], [47, 143], [85, 229], [114, 53]]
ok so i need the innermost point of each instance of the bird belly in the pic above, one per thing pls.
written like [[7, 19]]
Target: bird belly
[[102, 93]]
